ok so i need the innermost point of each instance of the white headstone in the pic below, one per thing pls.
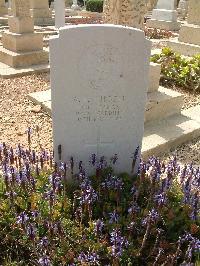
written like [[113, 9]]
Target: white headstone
[[59, 13], [75, 5], [99, 88], [165, 10], [166, 4]]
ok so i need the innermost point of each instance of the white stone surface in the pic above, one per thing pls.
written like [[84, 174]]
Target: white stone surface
[[162, 14], [99, 91], [182, 8], [75, 5], [59, 13], [166, 4]]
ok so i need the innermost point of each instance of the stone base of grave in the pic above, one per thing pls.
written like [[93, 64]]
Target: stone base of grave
[[163, 103], [44, 21], [190, 33], [183, 48], [22, 42], [70, 12], [159, 135], [162, 136], [166, 126], [162, 24], [4, 21], [42, 98], [9, 72], [23, 59], [89, 14], [154, 76], [163, 14]]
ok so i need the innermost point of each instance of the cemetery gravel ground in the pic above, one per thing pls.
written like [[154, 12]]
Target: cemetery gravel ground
[[17, 113]]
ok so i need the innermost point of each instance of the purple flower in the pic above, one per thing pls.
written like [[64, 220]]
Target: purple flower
[[22, 218], [88, 258], [44, 261], [102, 163], [31, 231], [11, 194], [113, 183], [44, 242], [134, 191], [194, 204], [135, 155], [88, 194], [93, 258], [114, 217], [98, 226], [118, 243], [187, 190], [114, 159], [151, 218], [134, 209], [35, 214], [50, 196], [93, 159], [160, 199]]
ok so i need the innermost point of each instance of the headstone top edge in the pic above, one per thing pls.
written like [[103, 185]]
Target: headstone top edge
[[85, 26]]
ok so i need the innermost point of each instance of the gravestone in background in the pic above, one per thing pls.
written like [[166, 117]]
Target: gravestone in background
[[3, 8], [59, 13], [41, 13], [99, 86], [194, 12], [182, 9], [188, 42], [164, 16], [21, 46]]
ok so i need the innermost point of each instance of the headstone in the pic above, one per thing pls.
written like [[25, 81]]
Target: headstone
[[41, 12], [99, 92], [188, 42], [3, 8], [68, 3], [190, 31], [52, 6], [194, 12], [21, 46], [59, 13], [125, 12], [182, 9], [75, 5], [164, 16]]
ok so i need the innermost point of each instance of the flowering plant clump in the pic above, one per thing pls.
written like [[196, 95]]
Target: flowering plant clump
[[153, 33], [178, 70], [51, 216]]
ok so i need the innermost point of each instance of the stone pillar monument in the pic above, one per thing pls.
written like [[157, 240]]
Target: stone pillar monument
[[3, 8], [125, 12], [59, 13], [188, 42], [41, 13], [164, 16], [3, 13], [21, 46]]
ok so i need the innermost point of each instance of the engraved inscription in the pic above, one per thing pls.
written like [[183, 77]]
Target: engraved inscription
[[99, 109]]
